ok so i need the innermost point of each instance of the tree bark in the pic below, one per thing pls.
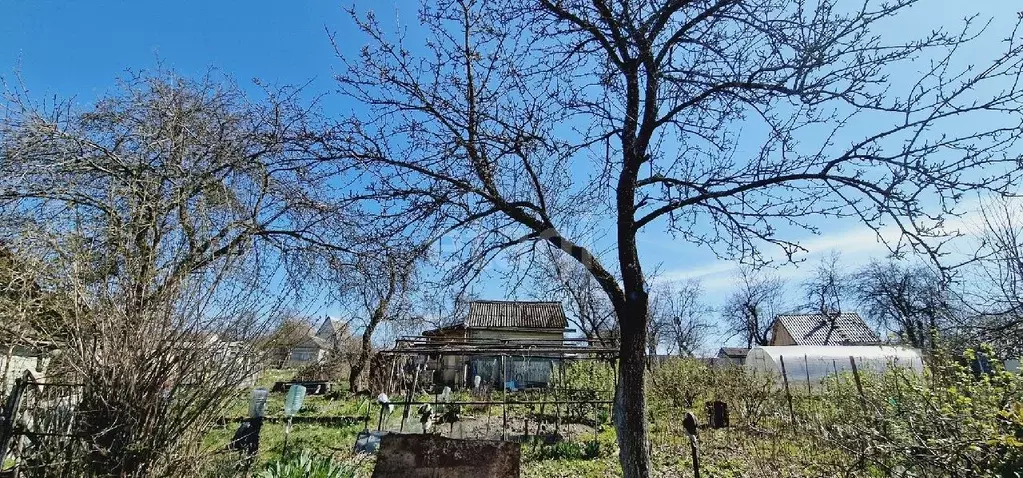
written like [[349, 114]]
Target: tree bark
[[360, 363], [630, 397]]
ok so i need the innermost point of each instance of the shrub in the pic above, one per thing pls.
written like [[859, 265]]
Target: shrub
[[681, 383], [949, 422], [585, 380], [750, 395]]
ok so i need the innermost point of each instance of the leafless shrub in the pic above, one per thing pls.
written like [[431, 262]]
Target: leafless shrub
[[164, 225]]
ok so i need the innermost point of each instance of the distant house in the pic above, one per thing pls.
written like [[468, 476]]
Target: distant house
[[516, 323], [310, 350], [334, 332], [731, 356], [303, 345], [15, 360], [234, 361], [822, 329]]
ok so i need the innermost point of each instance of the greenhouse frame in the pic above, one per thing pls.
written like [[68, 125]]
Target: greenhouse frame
[[811, 365]]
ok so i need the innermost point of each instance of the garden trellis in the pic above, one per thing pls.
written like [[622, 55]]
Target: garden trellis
[[503, 373]]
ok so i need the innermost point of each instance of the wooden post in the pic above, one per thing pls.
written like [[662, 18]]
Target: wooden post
[[9, 412], [859, 385], [614, 393], [696, 456], [539, 421], [408, 399], [390, 377], [287, 431], [788, 395], [557, 404], [504, 397], [898, 389], [806, 367], [7, 369], [838, 382]]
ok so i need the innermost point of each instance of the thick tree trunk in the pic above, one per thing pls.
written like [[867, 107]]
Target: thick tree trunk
[[630, 397], [360, 362]]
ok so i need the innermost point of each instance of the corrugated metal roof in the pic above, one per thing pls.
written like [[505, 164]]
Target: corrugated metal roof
[[819, 329], [530, 315]]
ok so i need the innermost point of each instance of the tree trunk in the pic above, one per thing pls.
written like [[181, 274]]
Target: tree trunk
[[630, 397], [360, 362]]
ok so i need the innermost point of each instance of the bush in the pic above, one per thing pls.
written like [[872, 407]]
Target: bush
[[750, 395], [949, 422], [585, 380], [680, 383]]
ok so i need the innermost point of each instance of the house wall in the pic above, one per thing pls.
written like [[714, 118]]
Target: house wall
[[302, 356], [14, 361], [781, 336], [456, 370]]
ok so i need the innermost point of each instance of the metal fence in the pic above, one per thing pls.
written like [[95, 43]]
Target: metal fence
[[37, 428]]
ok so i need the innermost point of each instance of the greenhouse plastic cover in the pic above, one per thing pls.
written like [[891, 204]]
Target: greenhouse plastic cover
[[814, 363]]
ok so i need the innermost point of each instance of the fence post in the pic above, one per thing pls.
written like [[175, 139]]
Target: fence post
[[859, 385], [838, 381], [408, 399], [788, 395], [504, 398], [806, 367], [10, 410], [614, 391]]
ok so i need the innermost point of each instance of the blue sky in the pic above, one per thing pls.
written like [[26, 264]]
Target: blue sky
[[78, 49]]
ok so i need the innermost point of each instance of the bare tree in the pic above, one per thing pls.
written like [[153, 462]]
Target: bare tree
[[514, 121], [827, 288], [749, 312], [562, 279], [994, 293], [158, 217], [685, 315], [910, 300], [382, 286]]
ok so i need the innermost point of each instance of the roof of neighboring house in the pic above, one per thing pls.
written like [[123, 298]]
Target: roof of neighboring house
[[505, 313], [509, 314], [733, 352], [831, 329], [332, 329], [313, 342]]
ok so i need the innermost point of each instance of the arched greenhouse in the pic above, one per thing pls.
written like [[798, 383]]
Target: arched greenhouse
[[811, 365]]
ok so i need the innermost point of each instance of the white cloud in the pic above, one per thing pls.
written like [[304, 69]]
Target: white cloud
[[857, 245]]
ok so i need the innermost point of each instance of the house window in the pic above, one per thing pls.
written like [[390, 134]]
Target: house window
[[303, 355]]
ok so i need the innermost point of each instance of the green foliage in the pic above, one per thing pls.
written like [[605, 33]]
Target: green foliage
[[569, 450], [307, 465], [585, 380], [681, 383], [949, 422], [562, 450], [751, 396], [687, 384]]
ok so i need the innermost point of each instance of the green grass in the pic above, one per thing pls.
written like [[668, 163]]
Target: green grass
[[734, 452]]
